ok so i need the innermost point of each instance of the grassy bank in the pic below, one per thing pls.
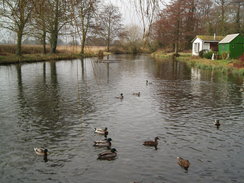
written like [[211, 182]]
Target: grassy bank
[[202, 63], [33, 53], [30, 58]]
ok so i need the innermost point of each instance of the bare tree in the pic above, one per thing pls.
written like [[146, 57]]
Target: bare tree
[[109, 23], [222, 4], [15, 16], [58, 16], [147, 11], [83, 13], [39, 21], [131, 38], [237, 5]]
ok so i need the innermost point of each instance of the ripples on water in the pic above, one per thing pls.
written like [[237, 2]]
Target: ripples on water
[[57, 105]]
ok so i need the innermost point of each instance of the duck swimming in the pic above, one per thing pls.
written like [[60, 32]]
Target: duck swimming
[[137, 94], [103, 143], [102, 131], [148, 83], [108, 155], [216, 123], [152, 143], [183, 163], [120, 97], [41, 151]]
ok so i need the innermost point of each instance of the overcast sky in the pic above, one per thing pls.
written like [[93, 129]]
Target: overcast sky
[[128, 10]]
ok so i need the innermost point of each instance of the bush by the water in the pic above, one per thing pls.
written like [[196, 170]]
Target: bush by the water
[[202, 52], [240, 63], [208, 55], [224, 55]]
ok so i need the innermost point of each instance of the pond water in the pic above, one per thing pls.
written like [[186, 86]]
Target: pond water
[[57, 105]]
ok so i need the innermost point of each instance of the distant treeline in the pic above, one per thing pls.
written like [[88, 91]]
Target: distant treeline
[[181, 20], [46, 21], [164, 24]]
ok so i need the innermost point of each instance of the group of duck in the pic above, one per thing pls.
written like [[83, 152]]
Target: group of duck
[[111, 153], [121, 96]]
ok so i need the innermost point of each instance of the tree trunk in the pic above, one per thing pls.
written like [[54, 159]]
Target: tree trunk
[[54, 41], [54, 33], [108, 39], [83, 44], [108, 44], [84, 31], [222, 17], [44, 42], [238, 25], [19, 42], [177, 36]]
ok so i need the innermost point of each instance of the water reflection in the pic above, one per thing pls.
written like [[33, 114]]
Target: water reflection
[[57, 105], [171, 70]]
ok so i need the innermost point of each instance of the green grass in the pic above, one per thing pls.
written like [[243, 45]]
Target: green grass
[[202, 63]]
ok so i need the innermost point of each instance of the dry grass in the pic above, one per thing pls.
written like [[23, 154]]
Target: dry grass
[[26, 49], [33, 53], [38, 49], [77, 49]]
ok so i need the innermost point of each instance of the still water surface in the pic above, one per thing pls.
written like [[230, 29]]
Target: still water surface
[[57, 105]]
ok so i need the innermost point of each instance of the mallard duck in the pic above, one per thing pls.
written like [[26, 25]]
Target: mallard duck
[[120, 97], [103, 143], [41, 151], [108, 155], [216, 123], [152, 143], [101, 131], [148, 83], [137, 94], [183, 163]]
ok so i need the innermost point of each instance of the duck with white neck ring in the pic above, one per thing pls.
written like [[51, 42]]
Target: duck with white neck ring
[[120, 97]]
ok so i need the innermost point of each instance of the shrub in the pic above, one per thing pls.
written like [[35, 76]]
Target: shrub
[[208, 55], [240, 63], [100, 54], [202, 52], [224, 55]]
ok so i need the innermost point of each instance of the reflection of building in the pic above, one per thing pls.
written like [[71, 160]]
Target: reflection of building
[[201, 42], [195, 74], [232, 45]]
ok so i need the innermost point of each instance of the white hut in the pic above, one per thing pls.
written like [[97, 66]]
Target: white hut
[[202, 42]]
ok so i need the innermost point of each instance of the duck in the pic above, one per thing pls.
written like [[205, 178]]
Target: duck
[[148, 83], [40, 151], [137, 94], [103, 143], [183, 163], [152, 143], [108, 155], [216, 123], [101, 131], [120, 97]]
